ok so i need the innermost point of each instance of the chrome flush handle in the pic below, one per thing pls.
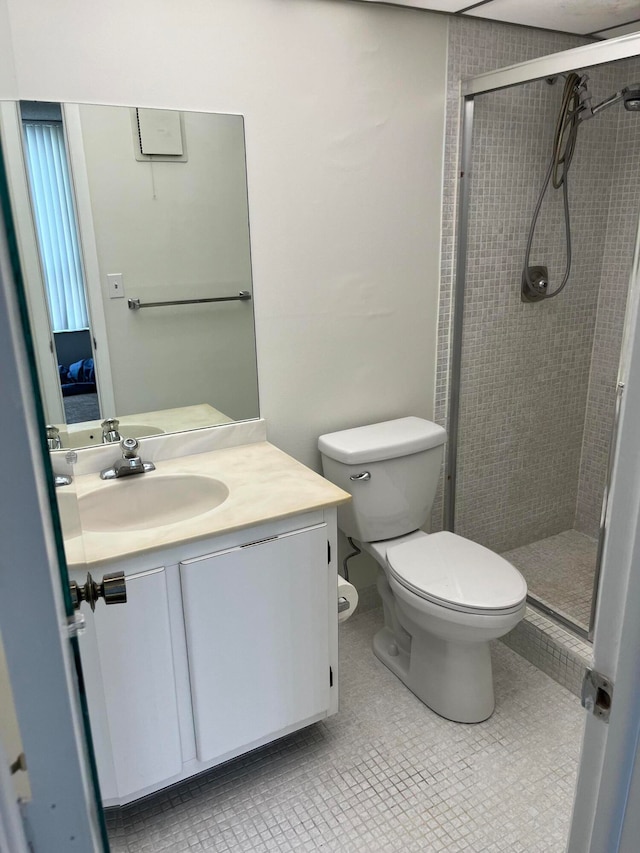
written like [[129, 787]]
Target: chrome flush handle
[[360, 478]]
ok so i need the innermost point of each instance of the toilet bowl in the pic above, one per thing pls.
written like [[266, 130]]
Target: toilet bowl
[[451, 597], [444, 597]]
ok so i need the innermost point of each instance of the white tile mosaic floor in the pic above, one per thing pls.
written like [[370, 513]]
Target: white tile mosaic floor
[[560, 571], [385, 774]]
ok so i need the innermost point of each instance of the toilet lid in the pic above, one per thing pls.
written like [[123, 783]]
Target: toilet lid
[[457, 573]]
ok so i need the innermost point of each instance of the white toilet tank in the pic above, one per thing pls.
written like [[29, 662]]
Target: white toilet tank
[[391, 469]]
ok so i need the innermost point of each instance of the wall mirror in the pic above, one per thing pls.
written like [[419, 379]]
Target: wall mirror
[[133, 228]]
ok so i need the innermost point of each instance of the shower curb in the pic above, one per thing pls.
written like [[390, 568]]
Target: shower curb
[[552, 649]]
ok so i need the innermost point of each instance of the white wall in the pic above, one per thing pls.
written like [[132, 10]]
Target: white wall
[[8, 83], [344, 117], [344, 112]]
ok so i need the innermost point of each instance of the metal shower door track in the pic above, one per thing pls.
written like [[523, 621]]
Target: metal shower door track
[[575, 59]]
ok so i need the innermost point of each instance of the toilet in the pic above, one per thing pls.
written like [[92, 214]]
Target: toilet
[[444, 597]]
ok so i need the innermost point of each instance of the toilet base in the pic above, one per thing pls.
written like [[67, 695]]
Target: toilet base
[[386, 649], [453, 679]]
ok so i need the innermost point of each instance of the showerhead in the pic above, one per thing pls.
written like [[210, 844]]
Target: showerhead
[[631, 98]]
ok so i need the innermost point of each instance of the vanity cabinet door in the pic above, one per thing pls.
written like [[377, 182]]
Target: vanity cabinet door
[[257, 625], [138, 742]]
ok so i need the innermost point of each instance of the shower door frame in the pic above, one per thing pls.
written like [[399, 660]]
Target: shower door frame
[[540, 68]]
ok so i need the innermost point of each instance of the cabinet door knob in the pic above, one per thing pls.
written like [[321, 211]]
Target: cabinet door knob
[[113, 589]]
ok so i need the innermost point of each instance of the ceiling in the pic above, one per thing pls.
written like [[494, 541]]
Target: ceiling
[[597, 18]]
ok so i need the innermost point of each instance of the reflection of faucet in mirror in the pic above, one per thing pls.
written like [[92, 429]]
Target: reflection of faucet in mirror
[[163, 229], [53, 437], [110, 430], [130, 462]]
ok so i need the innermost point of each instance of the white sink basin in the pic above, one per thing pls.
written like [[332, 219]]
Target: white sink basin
[[69, 515], [93, 435], [145, 501]]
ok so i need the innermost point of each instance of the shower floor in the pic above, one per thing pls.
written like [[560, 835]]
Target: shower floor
[[560, 571]]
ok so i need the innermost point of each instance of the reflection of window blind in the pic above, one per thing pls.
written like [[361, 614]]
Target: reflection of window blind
[[56, 225]]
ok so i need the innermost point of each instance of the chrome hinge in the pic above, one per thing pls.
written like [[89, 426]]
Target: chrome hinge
[[597, 694]]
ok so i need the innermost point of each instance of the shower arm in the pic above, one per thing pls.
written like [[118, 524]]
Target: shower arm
[[587, 111]]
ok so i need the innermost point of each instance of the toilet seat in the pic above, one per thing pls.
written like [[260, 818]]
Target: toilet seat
[[457, 574]]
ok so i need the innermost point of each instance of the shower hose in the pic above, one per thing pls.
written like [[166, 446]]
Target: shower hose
[[564, 143]]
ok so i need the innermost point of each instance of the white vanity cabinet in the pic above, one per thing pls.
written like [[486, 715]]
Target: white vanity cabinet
[[224, 644], [257, 627], [127, 661]]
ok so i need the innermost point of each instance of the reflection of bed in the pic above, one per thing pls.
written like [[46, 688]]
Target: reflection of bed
[[77, 375], [78, 378]]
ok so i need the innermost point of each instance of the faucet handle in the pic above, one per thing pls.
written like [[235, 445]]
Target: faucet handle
[[53, 437], [130, 462], [129, 447], [110, 432]]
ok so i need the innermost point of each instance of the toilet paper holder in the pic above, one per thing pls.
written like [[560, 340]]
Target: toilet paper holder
[[347, 600]]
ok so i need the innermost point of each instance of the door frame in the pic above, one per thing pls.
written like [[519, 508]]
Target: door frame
[[43, 337], [63, 813], [35, 290], [92, 277], [608, 787]]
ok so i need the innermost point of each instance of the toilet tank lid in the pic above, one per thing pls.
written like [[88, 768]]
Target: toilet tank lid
[[387, 440]]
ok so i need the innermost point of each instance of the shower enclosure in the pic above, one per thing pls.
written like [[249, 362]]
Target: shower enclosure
[[534, 384]]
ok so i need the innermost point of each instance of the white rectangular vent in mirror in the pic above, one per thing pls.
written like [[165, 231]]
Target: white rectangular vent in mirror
[[159, 135], [159, 132]]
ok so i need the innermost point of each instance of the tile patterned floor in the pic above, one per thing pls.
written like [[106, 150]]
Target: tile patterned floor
[[560, 570], [385, 774]]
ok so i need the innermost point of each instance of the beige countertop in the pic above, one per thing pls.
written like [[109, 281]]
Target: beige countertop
[[264, 484], [88, 433]]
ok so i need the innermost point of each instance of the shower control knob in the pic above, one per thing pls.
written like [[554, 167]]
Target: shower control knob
[[535, 284]]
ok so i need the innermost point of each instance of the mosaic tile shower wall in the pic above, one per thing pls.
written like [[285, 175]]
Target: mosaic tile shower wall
[[527, 379], [525, 367], [474, 48], [612, 299]]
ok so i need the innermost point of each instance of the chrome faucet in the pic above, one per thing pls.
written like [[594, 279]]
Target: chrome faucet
[[110, 432], [53, 437], [130, 462]]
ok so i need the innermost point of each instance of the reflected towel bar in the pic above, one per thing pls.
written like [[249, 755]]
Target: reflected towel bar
[[135, 304]]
